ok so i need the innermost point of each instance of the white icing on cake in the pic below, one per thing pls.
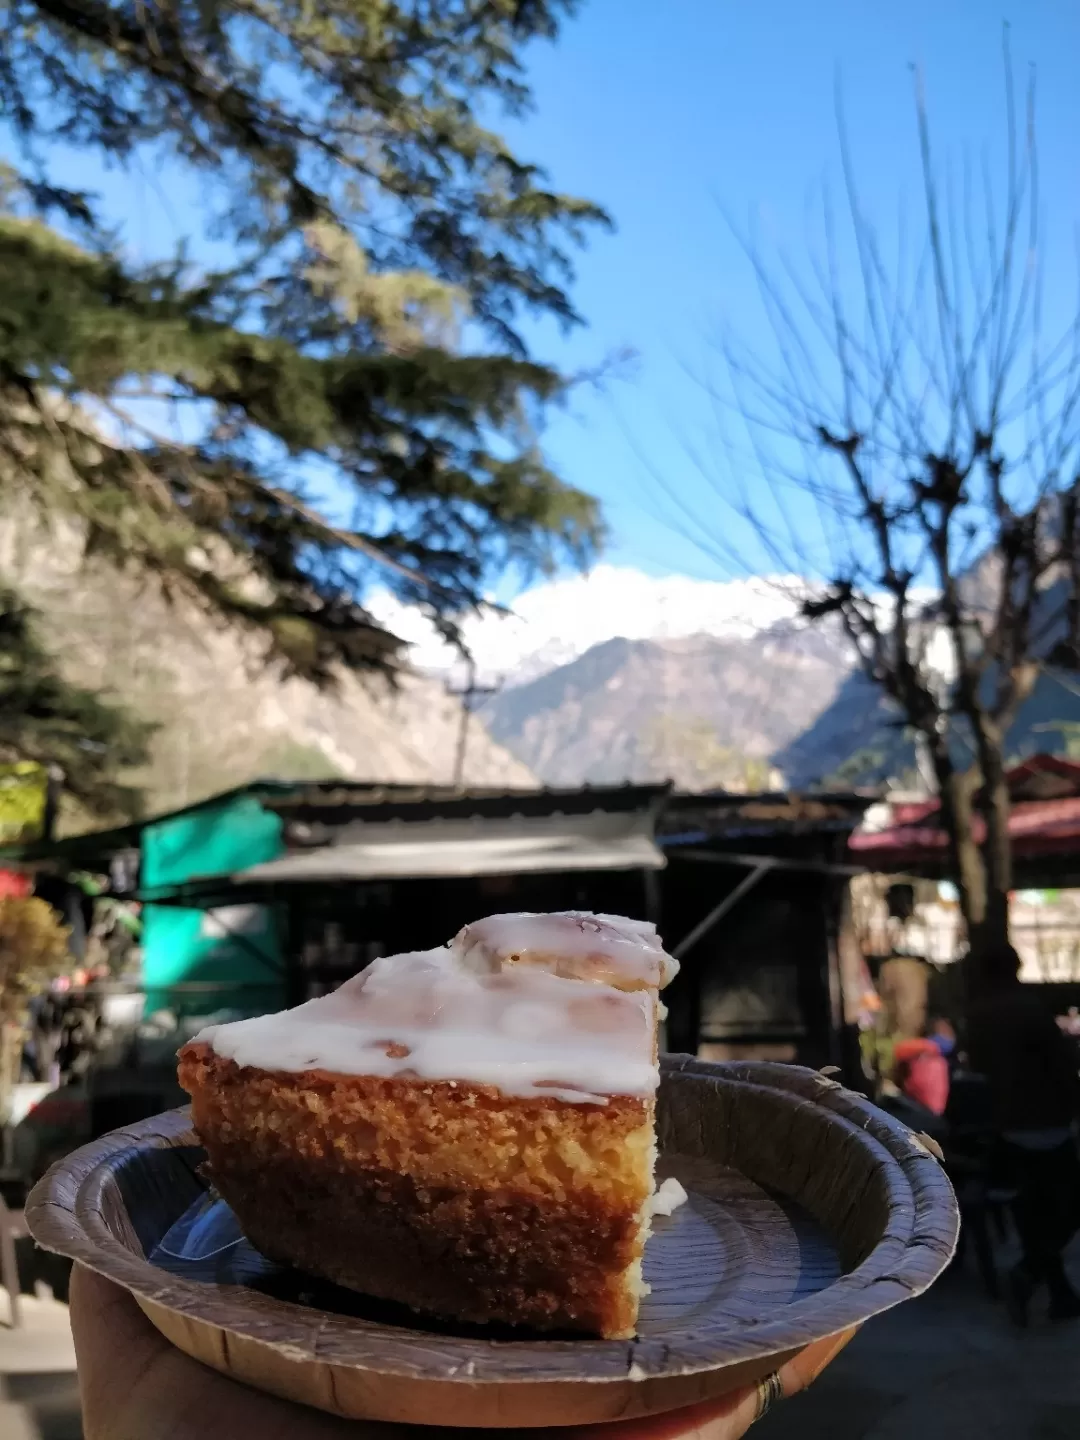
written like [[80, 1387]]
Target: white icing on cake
[[668, 1197], [608, 949], [461, 1013]]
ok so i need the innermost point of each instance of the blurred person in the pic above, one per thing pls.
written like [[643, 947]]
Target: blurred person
[[943, 1034], [921, 1072], [1031, 1068]]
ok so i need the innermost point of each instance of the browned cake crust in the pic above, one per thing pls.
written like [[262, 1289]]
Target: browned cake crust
[[451, 1198]]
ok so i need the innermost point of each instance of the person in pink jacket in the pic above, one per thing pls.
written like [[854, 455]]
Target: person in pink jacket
[[921, 1072]]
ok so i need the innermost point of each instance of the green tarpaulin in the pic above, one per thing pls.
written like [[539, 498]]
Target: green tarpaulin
[[196, 962]]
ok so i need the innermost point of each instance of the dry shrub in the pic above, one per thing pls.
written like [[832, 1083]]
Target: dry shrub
[[33, 949]]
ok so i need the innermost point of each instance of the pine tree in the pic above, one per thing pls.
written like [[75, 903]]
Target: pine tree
[[365, 345], [61, 726]]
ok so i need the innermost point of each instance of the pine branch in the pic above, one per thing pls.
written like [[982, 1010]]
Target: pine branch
[[222, 517]]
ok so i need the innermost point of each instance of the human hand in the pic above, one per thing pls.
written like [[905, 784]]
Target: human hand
[[134, 1385]]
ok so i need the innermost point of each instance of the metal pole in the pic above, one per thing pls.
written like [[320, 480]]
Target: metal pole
[[816, 867], [463, 730], [54, 784], [687, 943], [467, 695]]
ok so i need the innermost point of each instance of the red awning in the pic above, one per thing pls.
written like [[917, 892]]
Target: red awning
[[1036, 826]]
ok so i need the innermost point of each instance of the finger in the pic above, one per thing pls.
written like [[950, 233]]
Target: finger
[[116, 1348], [134, 1384], [726, 1418], [732, 1415], [805, 1368]]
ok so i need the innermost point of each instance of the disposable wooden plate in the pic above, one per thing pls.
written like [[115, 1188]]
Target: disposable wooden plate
[[810, 1211]]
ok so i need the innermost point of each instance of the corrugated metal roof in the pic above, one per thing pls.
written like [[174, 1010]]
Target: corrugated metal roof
[[318, 814], [342, 796], [315, 814], [91, 846], [721, 815], [599, 840]]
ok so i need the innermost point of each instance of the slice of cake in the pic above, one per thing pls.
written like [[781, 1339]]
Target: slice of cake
[[467, 1131]]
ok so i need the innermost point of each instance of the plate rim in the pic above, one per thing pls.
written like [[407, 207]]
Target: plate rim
[[64, 1215]]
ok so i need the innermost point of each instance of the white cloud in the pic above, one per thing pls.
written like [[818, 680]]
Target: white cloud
[[555, 622]]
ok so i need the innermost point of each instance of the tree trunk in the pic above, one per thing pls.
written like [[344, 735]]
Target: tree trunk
[[997, 853], [957, 790], [983, 872]]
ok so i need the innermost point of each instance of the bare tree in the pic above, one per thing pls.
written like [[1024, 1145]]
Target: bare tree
[[912, 447]]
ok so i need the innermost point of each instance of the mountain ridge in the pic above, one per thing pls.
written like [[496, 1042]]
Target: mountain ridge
[[702, 710], [223, 717]]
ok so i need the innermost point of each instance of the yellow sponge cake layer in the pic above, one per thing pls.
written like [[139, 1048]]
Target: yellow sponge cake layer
[[450, 1199]]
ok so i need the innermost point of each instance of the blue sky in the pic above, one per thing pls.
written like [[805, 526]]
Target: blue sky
[[724, 105], [669, 115]]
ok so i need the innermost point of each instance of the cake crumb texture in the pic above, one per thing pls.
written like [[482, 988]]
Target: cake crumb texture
[[454, 1199]]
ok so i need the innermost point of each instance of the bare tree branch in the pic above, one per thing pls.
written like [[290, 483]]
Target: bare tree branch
[[912, 447]]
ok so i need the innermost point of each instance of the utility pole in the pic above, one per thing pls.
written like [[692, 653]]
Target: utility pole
[[54, 784], [467, 694]]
